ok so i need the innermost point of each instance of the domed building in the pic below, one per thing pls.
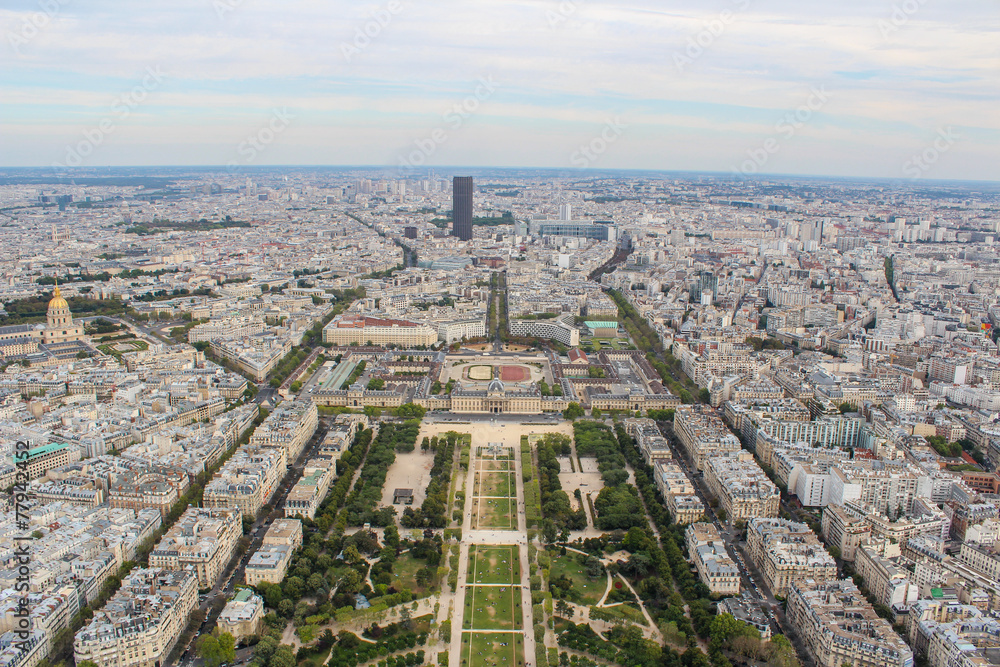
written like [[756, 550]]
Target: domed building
[[60, 327]]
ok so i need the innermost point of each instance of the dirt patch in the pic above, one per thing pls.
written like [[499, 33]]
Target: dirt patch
[[514, 373]]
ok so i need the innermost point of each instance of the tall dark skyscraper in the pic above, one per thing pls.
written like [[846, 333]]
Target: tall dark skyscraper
[[461, 207]]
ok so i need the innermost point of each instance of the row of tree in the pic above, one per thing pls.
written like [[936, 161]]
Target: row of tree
[[559, 515], [433, 512], [368, 489]]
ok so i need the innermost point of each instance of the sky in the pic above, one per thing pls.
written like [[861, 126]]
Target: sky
[[901, 89]]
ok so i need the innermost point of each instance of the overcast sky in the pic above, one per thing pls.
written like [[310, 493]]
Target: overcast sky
[[713, 85]]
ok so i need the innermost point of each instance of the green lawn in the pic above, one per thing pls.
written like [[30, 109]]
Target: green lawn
[[494, 565], [497, 513], [492, 608], [404, 572], [492, 649], [585, 591], [497, 485], [489, 465]]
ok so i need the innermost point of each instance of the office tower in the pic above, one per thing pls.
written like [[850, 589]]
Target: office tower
[[461, 207], [566, 212], [410, 232]]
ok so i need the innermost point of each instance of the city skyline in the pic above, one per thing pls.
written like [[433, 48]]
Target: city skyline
[[897, 91]]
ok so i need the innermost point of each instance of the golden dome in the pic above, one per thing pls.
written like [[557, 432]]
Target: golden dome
[[57, 300]]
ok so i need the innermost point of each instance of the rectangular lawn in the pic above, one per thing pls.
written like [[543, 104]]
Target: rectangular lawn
[[492, 608], [492, 649], [497, 485], [498, 513], [494, 565]]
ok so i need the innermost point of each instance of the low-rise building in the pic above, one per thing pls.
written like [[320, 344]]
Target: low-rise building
[[243, 616], [269, 563], [715, 568]]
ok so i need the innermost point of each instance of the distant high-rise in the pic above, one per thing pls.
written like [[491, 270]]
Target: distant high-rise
[[565, 211], [461, 207]]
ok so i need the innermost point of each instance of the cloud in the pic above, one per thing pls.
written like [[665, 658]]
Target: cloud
[[228, 67]]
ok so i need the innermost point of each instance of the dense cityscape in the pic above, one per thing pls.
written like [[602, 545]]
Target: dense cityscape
[[315, 416]]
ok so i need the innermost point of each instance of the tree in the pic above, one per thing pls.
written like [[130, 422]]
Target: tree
[[705, 396], [227, 647], [351, 582], [573, 411], [721, 513], [283, 657], [596, 413], [210, 652], [411, 411]]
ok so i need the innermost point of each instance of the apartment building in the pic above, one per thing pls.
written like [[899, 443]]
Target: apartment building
[[708, 552], [883, 486], [560, 329], [703, 434], [203, 539], [973, 642], [43, 458], [884, 578], [352, 329], [839, 627], [926, 616], [743, 490], [786, 552], [247, 480], [289, 427], [843, 530], [140, 624], [651, 442], [158, 487], [269, 563], [307, 494], [678, 492]]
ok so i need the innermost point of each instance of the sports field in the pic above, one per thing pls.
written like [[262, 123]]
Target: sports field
[[492, 649], [494, 565]]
